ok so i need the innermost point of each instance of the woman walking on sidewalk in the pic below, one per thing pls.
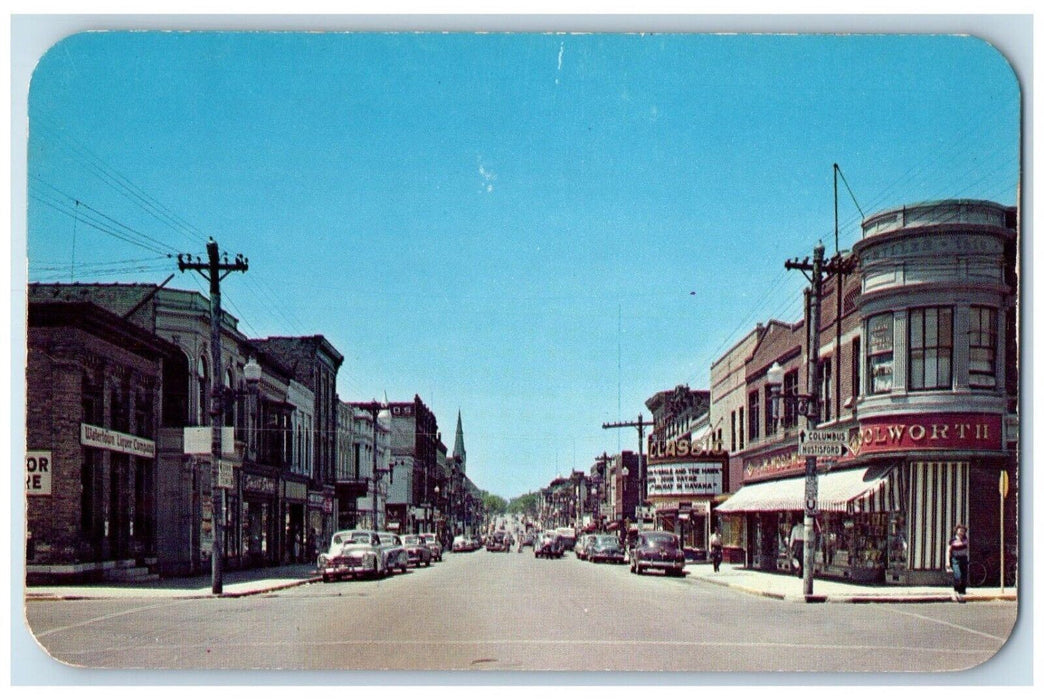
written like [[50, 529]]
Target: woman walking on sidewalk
[[957, 558]]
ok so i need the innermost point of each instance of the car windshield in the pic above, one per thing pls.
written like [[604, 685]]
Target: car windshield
[[609, 540], [661, 539], [411, 539], [388, 538]]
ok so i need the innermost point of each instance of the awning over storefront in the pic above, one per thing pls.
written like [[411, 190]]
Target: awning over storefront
[[850, 491]]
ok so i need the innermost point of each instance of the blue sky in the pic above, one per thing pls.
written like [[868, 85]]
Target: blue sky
[[538, 230]]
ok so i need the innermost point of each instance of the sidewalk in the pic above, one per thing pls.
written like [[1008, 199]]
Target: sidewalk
[[235, 584], [779, 586], [790, 588]]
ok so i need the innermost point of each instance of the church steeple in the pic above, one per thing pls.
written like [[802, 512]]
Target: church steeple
[[458, 444]]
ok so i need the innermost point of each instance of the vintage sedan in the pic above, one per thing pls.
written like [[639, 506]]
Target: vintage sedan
[[417, 551], [432, 541], [605, 548], [394, 553], [499, 541], [658, 550], [352, 553], [549, 546], [583, 546]]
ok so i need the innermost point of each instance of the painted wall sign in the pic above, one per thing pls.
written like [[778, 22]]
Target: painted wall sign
[[93, 436], [38, 465]]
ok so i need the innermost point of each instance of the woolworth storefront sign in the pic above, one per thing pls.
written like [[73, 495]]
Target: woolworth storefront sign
[[938, 431]]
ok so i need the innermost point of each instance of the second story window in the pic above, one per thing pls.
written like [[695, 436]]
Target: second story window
[[790, 388], [753, 415], [931, 348], [982, 347], [879, 360]]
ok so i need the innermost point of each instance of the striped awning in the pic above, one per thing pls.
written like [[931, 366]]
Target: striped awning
[[866, 490]]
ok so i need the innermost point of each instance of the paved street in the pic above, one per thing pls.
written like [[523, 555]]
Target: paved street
[[509, 611]]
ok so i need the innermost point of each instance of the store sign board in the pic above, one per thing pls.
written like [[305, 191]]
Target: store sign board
[[38, 465], [198, 440], [93, 436], [937, 431]]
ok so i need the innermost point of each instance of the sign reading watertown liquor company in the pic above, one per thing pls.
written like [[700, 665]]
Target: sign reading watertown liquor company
[[93, 436]]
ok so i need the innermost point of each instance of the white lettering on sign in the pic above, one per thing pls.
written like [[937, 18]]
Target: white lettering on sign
[[684, 478], [93, 436], [38, 473]]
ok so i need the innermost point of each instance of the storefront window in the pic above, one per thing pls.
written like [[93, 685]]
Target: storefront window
[[931, 348], [879, 353], [982, 347]]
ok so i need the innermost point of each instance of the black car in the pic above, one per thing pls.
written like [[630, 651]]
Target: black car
[[605, 548], [498, 542], [549, 546], [658, 550]]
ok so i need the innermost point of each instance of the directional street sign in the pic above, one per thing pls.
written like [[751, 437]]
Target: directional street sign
[[822, 443]]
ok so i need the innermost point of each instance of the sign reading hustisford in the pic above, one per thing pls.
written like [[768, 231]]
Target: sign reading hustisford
[[822, 443], [93, 436]]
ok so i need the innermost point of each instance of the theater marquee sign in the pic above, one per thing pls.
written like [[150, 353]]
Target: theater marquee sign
[[679, 468]]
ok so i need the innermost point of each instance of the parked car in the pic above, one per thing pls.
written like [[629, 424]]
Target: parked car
[[583, 544], [393, 552], [352, 553], [549, 546], [657, 550], [460, 544], [432, 541], [605, 548], [528, 539], [568, 536], [499, 541], [417, 552]]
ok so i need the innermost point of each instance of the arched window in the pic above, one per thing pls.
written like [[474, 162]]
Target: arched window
[[203, 394], [229, 404]]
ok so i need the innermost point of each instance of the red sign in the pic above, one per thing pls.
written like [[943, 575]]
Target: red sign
[[940, 431]]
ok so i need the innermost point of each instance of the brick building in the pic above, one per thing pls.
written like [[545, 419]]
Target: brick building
[[94, 402]]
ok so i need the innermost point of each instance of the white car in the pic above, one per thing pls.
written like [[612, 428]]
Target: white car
[[352, 553]]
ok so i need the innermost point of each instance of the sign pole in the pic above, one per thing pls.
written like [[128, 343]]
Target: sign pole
[[1003, 494]]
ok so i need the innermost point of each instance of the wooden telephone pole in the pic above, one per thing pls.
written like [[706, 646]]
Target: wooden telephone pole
[[641, 425], [812, 376], [214, 269]]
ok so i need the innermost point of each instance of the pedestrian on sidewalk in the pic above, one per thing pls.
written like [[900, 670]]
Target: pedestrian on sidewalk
[[797, 548], [715, 545], [957, 558]]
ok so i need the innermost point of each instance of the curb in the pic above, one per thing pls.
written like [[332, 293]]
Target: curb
[[859, 598], [189, 596]]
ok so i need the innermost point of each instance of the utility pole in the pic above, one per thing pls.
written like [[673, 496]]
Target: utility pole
[[641, 425], [214, 269], [374, 408], [814, 296]]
